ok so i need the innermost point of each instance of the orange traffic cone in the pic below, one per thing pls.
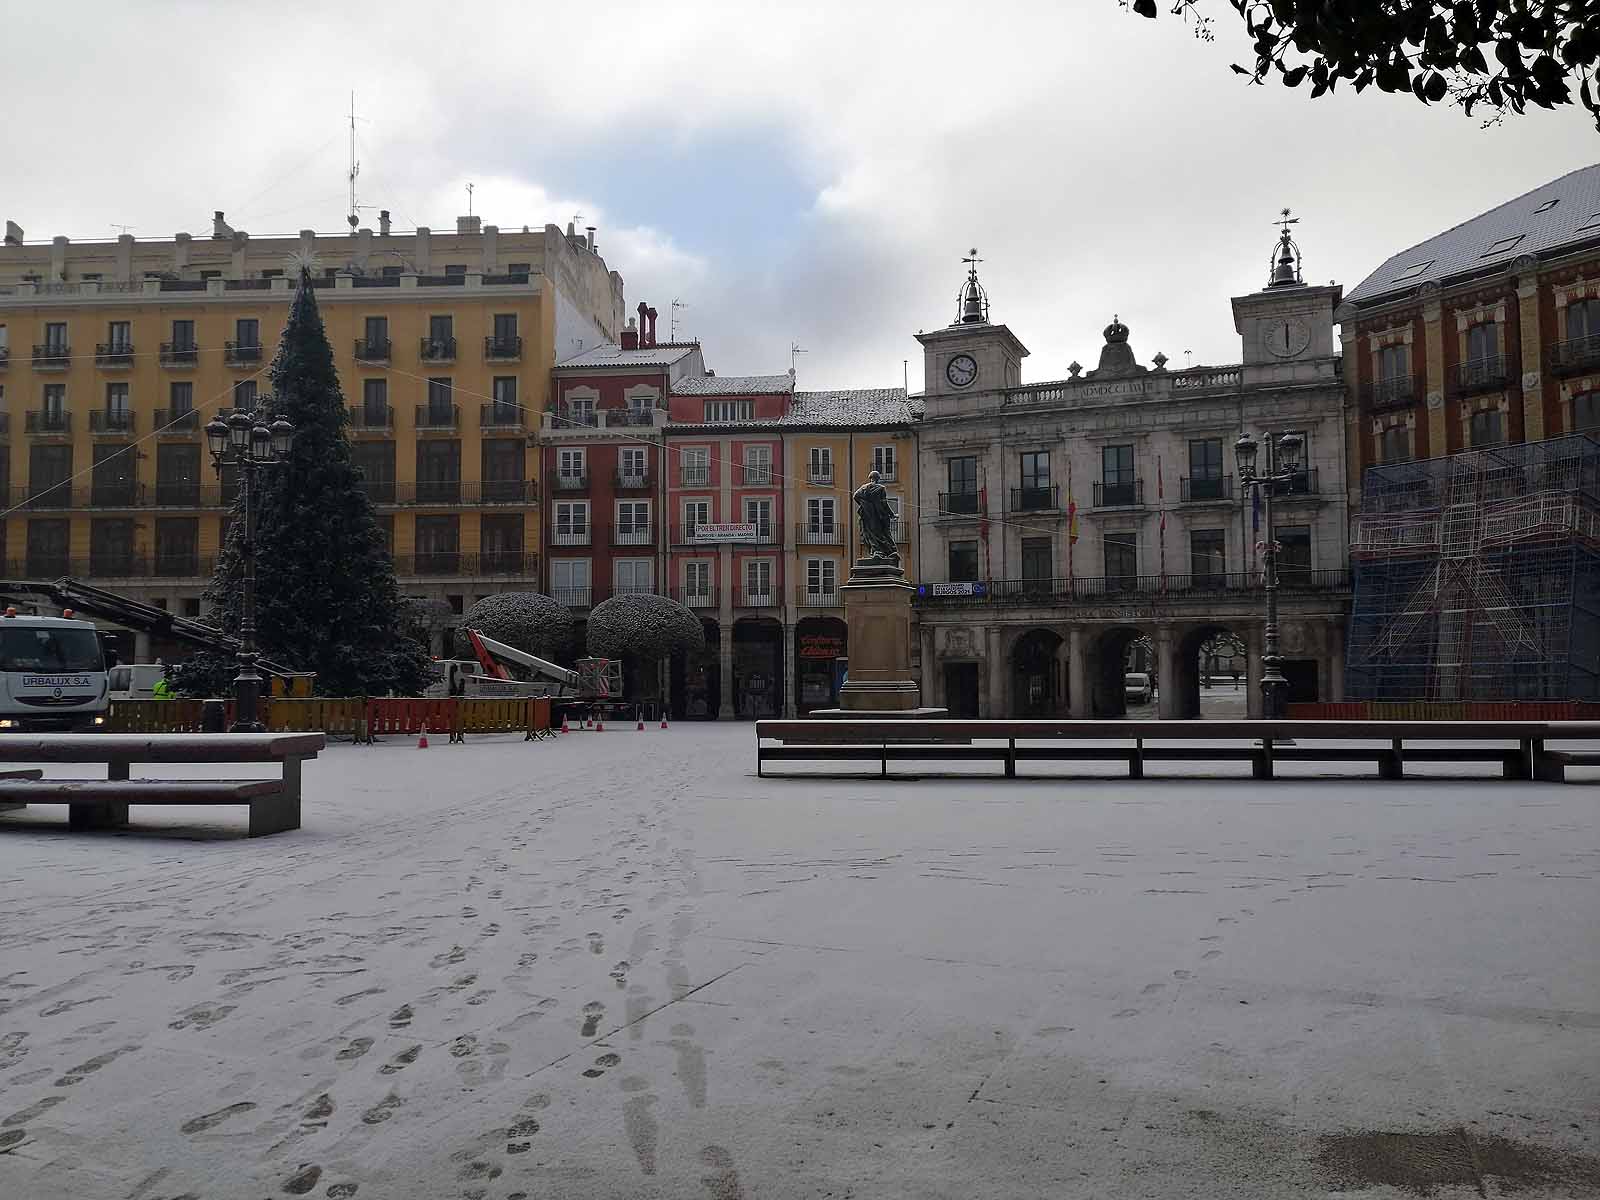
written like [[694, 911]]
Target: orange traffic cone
[[600, 725], [663, 720], [422, 738], [641, 724], [564, 728]]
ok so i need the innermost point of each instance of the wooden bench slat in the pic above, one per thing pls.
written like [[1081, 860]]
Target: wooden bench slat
[[138, 791], [159, 747]]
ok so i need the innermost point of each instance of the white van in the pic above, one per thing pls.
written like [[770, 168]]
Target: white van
[[135, 681], [52, 674]]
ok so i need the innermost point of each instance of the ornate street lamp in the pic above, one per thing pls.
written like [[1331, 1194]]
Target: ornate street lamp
[[247, 441], [1280, 468]]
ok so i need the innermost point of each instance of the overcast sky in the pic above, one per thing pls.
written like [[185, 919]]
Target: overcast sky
[[807, 174]]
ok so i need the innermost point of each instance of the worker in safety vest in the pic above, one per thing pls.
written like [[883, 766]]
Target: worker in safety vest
[[164, 690]]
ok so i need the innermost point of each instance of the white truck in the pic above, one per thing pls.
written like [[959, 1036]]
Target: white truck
[[502, 670], [52, 674]]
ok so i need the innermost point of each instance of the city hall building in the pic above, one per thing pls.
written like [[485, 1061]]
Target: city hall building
[[1071, 528]]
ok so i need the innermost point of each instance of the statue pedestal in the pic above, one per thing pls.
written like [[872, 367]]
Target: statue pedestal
[[877, 607]]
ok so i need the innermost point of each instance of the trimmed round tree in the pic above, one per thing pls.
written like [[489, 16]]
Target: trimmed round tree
[[529, 621], [639, 627]]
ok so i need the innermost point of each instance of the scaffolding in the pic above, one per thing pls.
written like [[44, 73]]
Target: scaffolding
[[1477, 576]]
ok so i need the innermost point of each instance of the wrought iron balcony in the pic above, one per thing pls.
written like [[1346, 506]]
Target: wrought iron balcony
[[576, 416], [454, 562], [1397, 391], [116, 493], [505, 491], [958, 504], [820, 476], [179, 354], [499, 415], [625, 418], [437, 350], [186, 493], [113, 354], [46, 495], [371, 418], [1035, 499], [1195, 489], [630, 481], [1127, 493], [633, 535], [573, 597], [437, 562], [756, 475], [1301, 483], [113, 564], [1575, 355], [570, 537], [111, 420], [241, 354], [49, 422], [502, 349], [438, 491], [1481, 375], [52, 356], [372, 350], [1094, 589], [567, 481], [705, 597], [807, 597], [808, 534], [694, 477], [439, 416], [757, 597], [503, 562]]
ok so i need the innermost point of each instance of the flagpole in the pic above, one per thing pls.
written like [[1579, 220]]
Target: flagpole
[[1161, 503]]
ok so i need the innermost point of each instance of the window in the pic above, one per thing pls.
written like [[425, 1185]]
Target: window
[[438, 471], [1122, 558], [730, 410], [572, 522], [505, 330], [1394, 362], [375, 403], [244, 395], [117, 405], [821, 466], [1487, 428], [569, 580], [49, 468], [441, 402], [377, 334], [1035, 466], [519, 268], [1503, 246], [633, 522], [455, 269], [1207, 550], [177, 546], [634, 575], [1036, 560], [758, 581], [1483, 341], [642, 402], [183, 335], [441, 330], [579, 412], [895, 530], [1294, 552], [962, 473], [119, 336], [571, 465], [821, 577], [506, 410], [1586, 411], [632, 465], [963, 562], [212, 274], [504, 461], [695, 463], [181, 398], [247, 332], [55, 405], [111, 547], [500, 541], [697, 578], [883, 463], [385, 272], [1117, 483], [48, 544], [1412, 271], [819, 515], [1394, 445], [438, 545], [1205, 469], [177, 473], [55, 337], [695, 514], [111, 478], [375, 461], [758, 512], [1583, 319], [758, 466]]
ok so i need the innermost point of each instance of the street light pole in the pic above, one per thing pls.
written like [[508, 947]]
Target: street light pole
[[1282, 463], [249, 443]]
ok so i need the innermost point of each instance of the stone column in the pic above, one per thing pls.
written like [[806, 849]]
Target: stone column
[[1254, 641], [1335, 661], [999, 704], [726, 699], [141, 646], [791, 683], [725, 681], [1060, 666], [1166, 673], [1433, 350], [1532, 379], [932, 685], [1078, 673]]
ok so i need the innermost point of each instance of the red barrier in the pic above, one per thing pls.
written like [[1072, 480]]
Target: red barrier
[[408, 716]]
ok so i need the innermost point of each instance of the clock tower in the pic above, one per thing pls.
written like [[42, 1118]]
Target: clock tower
[[1288, 321], [966, 364]]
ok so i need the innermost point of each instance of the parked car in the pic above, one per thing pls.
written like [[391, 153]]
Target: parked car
[[1138, 687]]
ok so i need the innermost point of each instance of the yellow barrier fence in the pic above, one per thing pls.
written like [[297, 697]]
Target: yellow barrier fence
[[153, 716], [337, 716], [497, 715]]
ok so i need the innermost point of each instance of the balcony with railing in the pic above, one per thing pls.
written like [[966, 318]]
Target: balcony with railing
[[489, 564], [437, 350], [573, 597], [806, 596], [113, 564], [630, 481], [52, 356], [756, 475], [1096, 589], [1300, 483], [1126, 493], [808, 534], [113, 354], [1197, 489], [570, 481], [116, 493], [634, 589], [372, 418], [48, 422], [179, 354], [5, 357], [437, 491], [1035, 499], [435, 562], [758, 597], [1487, 374], [111, 420], [958, 504], [705, 597], [372, 350], [572, 536], [177, 422], [502, 349], [572, 417], [1396, 391], [819, 476], [505, 491], [438, 418], [634, 534], [1575, 355], [630, 417], [186, 493], [241, 354], [45, 495], [499, 415], [690, 477]]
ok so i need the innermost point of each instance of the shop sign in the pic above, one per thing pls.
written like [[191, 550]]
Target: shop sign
[[952, 589], [726, 531], [825, 646]]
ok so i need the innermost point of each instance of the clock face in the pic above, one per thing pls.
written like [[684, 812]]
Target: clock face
[[1285, 337], [961, 370]]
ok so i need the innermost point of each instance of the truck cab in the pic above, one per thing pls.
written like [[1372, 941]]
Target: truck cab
[[52, 674]]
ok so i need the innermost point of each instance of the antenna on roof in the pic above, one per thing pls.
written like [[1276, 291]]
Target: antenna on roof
[[122, 228], [795, 349], [469, 199], [355, 167], [672, 335]]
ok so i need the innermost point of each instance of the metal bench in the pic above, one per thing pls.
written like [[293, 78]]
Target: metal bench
[[1518, 746], [1551, 765], [103, 803]]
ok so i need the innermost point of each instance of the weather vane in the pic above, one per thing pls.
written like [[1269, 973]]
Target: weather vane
[[972, 260], [1285, 220]]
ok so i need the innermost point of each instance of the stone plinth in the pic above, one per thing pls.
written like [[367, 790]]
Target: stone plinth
[[877, 607]]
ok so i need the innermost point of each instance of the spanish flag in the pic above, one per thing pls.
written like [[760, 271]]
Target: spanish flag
[[1072, 509]]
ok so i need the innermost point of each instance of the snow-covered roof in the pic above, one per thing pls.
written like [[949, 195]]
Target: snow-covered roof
[[734, 385], [1563, 212], [612, 355], [854, 407]]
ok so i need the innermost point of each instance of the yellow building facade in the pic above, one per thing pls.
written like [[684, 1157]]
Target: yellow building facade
[[113, 355]]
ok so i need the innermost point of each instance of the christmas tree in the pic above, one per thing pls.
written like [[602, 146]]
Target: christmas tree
[[326, 595]]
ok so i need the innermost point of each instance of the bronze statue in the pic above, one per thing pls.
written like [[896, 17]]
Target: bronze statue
[[876, 519]]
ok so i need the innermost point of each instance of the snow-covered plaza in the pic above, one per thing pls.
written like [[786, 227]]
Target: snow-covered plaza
[[619, 965]]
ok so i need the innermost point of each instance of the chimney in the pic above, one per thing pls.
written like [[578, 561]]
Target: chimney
[[383, 223], [644, 324], [219, 227], [468, 224], [572, 230], [652, 313], [13, 234], [589, 229], [630, 336]]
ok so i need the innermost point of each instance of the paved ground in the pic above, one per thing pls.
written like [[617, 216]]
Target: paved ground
[[618, 965]]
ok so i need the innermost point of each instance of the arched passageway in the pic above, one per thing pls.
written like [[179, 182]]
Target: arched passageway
[[1038, 675]]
